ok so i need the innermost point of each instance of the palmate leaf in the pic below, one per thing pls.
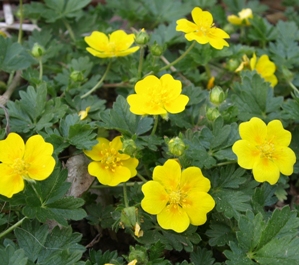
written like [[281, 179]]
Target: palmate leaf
[[49, 203], [60, 246], [267, 242]]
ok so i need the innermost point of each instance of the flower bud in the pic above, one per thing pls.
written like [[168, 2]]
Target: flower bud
[[139, 254], [142, 37], [176, 146], [232, 65], [156, 49], [128, 217], [212, 114], [77, 76], [129, 147], [217, 95], [37, 50]]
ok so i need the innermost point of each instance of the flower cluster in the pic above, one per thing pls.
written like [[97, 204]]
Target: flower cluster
[[109, 165], [178, 198], [264, 149], [31, 161], [202, 30]]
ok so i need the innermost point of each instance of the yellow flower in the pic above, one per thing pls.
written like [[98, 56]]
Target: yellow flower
[[242, 19], [177, 197], [202, 30], [244, 63], [116, 45], [265, 68], [264, 149], [83, 113], [133, 262], [211, 83], [31, 161], [109, 166], [156, 96]]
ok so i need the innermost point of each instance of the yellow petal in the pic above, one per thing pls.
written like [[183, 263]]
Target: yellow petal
[[285, 159], [198, 36], [202, 18], [117, 144], [254, 131], [173, 217], [97, 41], [121, 39], [253, 62], [155, 197], [266, 170], [264, 66], [277, 135], [247, 153], [10, 183], [127, 51], [235, 20], [169, 175], [172, 87], [38, 155], [218, 43], [272, 79], [193, 179], [95, 152], [146, 85], [131, 164], [197, 205], [137, 104], [12, 148], [185, 26], [177, 105]]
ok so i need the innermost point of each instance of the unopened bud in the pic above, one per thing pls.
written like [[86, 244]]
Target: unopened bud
[[142, 37], [176, 146], [212, 114], [77, 76], [139, 254], [156, 49], [37, 50], [232, 65], [129, 147], [217, 95]]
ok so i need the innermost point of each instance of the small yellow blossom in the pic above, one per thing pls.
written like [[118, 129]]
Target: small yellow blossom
[[202, 30], [133, 262], [264, 149], [84, 113], [242, 19], [211, 83], [177, 197], [117, 44], [31, 161], [245, 63], [265, 68], [156, 96], [109, 166]]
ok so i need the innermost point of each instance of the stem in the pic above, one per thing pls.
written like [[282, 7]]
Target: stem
[[156, 117], [141, 55], [7, 119], [226, 163], [21, 22], [141, 177], [125, 195], [293, 87], [40, 199], [100, 82], [128, 184], [40, 69], [69, 29], [180, 58], [11, 88], [12, 227]]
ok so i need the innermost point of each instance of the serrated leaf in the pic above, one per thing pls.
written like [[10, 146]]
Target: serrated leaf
[[98, 257], [11, 256], [120, 118], [220, 234], [202, 256]]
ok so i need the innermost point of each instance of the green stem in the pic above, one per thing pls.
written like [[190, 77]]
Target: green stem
[[21, 22], [69, 29], [156, 118], [141, 177], [208, 70], [141, 57], [128, 184], [125, 195], [40, 199], [12, 227], [40, 60], [180, 58], [100, 82], [226, 163], [293, 87]]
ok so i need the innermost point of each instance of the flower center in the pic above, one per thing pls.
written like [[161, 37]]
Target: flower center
[[20, 167], [267, 149], [111, 159], [176, 197]]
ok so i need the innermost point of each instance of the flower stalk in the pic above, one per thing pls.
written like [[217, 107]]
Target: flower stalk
[[7, 231]]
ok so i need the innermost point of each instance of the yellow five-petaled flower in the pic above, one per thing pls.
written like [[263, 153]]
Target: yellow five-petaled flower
[[177, 197], [243, 17], [31, 161], [264, 149], [109, 165], [202, 30], [117, 44], [156, 96]]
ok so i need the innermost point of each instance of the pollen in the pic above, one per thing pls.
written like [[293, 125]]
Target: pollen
[[267, 149], [20, 167], [111, 159]]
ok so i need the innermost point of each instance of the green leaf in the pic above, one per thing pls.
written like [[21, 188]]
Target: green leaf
[[12, 256], [50, 204], [13, 56], [100, 258], [120, 118], [202, 256]]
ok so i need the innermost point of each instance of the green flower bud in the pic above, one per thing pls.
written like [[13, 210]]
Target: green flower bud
[[129, 147], [212, 114], [77, 76], [217, 95], [142, 37], [156, 49], [232, 65], [176, 146], [139, 254], [37, 50], [128, 216]]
